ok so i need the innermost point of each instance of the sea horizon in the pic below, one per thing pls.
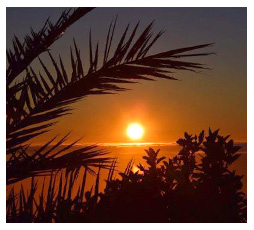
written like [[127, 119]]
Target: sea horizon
[[126, 151], [125, 144]]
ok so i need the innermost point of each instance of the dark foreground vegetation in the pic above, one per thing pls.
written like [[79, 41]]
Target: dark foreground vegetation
[[164, 190], [176, 189]]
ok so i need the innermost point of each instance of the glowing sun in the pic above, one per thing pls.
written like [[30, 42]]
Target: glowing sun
[[135, 131]]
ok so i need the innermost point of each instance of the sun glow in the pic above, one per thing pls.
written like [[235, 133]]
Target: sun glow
[[135, 131]]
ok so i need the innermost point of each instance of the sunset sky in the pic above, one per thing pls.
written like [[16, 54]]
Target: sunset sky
[[216, 98]]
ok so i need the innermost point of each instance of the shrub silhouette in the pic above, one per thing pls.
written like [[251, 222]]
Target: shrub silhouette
[[180, 189]]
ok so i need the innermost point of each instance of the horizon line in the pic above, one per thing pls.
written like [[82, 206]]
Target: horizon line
[[127, 144]]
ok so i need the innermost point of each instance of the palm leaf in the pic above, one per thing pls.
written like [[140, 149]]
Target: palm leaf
[[128, 64], [39, 42], [52, 158]]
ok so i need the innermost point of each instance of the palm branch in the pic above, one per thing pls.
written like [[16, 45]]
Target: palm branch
[[34, 103], [38, 42], [44, 97], [52, 158]]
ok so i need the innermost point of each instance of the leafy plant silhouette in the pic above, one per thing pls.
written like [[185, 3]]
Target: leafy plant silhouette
[[180, 189], [177, 189]]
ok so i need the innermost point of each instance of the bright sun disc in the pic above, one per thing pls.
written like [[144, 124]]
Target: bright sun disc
[[135, 131]]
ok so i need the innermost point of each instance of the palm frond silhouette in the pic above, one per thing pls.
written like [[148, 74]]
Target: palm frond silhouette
[[54, 158], [38, 42], [51, 100], [34, 103]]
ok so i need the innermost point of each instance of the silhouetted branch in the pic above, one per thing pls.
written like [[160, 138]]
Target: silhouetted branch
[[36, 43], [51, 158], [46, 97]]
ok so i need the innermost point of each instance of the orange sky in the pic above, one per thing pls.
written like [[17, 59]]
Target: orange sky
[[215, 98]]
